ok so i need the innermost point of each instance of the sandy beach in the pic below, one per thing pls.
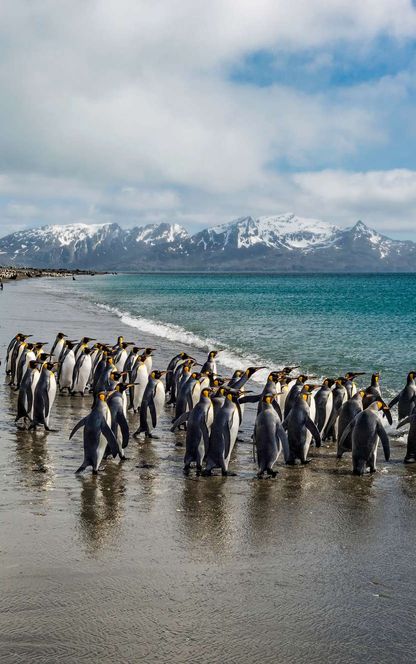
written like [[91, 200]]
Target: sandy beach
[[143, 564]]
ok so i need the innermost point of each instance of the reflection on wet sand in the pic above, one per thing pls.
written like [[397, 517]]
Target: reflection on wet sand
[[101, 507]]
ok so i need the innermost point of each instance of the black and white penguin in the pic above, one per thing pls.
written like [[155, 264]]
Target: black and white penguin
[[97, 435], [269, 437], [366, 430]]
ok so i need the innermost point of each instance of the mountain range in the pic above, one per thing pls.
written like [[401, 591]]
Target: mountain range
[[283, 243]]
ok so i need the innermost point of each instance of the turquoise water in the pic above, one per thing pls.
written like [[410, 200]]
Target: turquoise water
[[326, 323]]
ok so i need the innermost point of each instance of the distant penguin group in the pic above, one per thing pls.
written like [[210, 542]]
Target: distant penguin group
[[292, 412]]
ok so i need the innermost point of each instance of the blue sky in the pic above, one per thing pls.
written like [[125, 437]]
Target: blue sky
[[198, 113]]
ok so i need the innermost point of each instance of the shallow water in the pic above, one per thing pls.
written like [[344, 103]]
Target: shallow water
[[142, 564], [329, 324]]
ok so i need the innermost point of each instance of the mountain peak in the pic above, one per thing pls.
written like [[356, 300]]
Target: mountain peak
[[278, 243]]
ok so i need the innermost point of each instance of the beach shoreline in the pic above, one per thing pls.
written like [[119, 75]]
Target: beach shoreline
[[143, 564], [11, 273]]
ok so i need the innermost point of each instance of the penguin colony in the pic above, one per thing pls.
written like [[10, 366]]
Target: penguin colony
[[291, 412]]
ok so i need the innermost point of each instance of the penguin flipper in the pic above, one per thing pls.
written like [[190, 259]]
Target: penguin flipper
[[384, 440], [282, 436], [205, 433], [250, 398], [80, 424], [29, 400], [395, 400], [407, 420], [46, 403], [110, 437], [227, 440], [180, 420], [277, 408], [125, 431], [311, 426], [348, 429], [152, 409]]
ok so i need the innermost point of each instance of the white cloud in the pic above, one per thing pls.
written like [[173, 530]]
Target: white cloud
[[125, 111]]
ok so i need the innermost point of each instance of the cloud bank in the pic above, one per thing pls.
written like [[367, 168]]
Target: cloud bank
[[158, 110]]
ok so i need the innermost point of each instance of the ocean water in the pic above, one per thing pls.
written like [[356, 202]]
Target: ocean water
[[328, 324]]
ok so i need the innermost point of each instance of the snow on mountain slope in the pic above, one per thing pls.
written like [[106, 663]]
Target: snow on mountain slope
[[283, 231], [281, 243]]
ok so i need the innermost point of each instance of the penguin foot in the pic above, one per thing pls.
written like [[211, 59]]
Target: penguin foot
[[271, 473], [124, 458], [186, 470], [178, 444], [206, 473], [304, 462], [409, 460]]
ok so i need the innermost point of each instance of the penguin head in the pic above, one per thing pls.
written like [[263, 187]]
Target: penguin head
[[120, 340], [362, 394], [267, 398], [33, 364], [115, 375], [252, 370], [302, 378], [195, 375], [383, 407], [328, 382], [288, 370], [212, 354], [350, 375], [61, 335], [411, 376], [148, 351], [102, 396], [157, 374], [206, 392], [375, 378]]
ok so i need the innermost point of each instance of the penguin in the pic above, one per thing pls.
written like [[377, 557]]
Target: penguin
[[224, 432], [199, 422], [18, 350], [188, 395], [26, 392], [206, 378], [119, 424], [239, 382], [66, 367], [82, 344], [102, 380], [131, 360], [373, 391], [149, 359], [218, 399], [406, 399], [121, 355], [272, 387], [269, 437], [44, 397], [339, 396], [347, 412], [11, 352], [82, 372], [323, 404], [28, 354], [349, 384], [170, 370], [152, 404], [97, 435], [293, 392], [298, 424], [411, 437], [138, 379], [58, 346], [117, 345], [366, 430], [210, 364]]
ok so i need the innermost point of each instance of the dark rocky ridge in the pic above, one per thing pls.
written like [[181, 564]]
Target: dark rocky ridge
[[283, 243]]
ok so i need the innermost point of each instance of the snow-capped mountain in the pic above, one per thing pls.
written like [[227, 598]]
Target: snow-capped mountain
[[283, 243]]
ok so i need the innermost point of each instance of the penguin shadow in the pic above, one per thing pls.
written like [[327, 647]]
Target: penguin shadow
[[263, 510], [101, 507], [408, 480]]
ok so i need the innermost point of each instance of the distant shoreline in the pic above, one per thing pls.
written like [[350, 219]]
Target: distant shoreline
[[8, 273]]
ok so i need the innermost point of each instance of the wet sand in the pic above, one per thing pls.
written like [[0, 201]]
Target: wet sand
[[142, 564]]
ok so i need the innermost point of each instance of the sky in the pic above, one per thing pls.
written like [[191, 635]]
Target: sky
[[196, 112]]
